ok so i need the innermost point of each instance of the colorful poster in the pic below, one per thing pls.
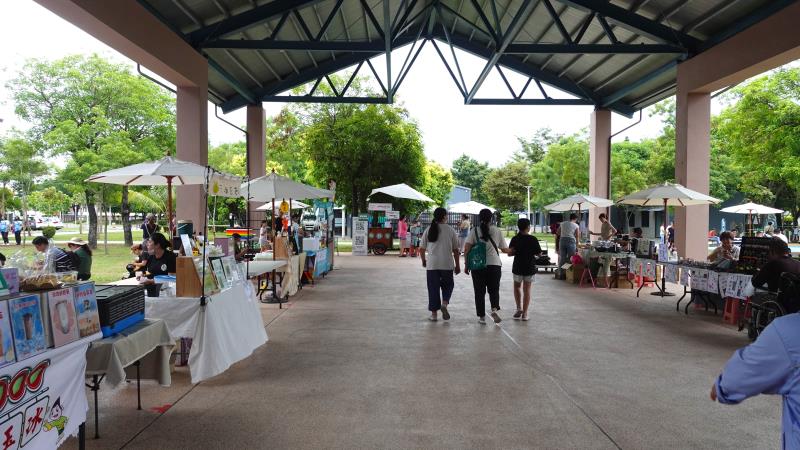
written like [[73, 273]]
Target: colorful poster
[[7, 354], [63, 320], [27, 326], [46, 398], [11, 275], [86, 309]]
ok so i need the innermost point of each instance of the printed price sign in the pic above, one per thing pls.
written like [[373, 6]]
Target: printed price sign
[[393, 215], [379, 207]]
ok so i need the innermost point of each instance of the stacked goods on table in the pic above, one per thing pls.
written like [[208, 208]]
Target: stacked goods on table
[[753, 254], [120, 307], [32, 322]]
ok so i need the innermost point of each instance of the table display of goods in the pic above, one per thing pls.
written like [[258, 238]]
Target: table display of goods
[[119, 307], [754, 253]]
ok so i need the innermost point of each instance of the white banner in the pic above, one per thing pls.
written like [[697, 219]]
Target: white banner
[[393, 215], [360, 237], [379, 207], [225, 186], [43, 398]]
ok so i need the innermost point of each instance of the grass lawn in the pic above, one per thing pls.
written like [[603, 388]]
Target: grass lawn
[[105, 267]]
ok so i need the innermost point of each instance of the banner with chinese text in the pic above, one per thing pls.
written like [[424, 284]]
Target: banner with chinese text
[[42, 398]]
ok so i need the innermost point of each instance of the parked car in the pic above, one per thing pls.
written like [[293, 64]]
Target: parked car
[[36, 222], [54, 222]]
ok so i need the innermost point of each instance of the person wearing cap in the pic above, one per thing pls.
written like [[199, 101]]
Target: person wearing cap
[[81, 248]]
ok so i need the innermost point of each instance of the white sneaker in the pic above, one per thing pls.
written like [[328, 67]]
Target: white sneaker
[[482, 320], [525, 317], [432, 318], [496, 317]]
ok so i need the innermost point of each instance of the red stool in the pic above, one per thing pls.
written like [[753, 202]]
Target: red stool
[[732, 314]]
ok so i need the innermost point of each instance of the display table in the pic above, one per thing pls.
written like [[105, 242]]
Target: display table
[[53, 376], [107, 358], [226, 330]]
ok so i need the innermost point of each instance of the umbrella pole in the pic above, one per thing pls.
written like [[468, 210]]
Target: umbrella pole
[[750, 219], [663, 290], [169, 207], [274, 222]]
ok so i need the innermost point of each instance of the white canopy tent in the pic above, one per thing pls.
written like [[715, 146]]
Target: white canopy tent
[[402, 190], [750, 209], [470, 207]]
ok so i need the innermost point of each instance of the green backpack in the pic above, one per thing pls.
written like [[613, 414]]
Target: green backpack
[[476, 258]]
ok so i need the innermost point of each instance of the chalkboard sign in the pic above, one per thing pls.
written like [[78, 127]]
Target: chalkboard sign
[[754, 253]]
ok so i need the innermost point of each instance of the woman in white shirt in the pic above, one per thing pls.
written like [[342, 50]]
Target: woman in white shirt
[[567, 239], [439, 251], [488, 279]]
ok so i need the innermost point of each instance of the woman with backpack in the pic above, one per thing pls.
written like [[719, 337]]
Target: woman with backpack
[[440, 253], [486, 242]]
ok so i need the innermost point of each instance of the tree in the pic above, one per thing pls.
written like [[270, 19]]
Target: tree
[[361, 147], [760, 130], [285, 145], [470, 173], [437, 182], [230, 158], [563, 171], [50, 201], [532, 150], [506, 187], [100, 115], [23, 162]]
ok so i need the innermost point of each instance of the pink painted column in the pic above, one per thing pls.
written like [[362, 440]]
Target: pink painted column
[[599, 161], [256, 155], [692, 154], [192, 143]]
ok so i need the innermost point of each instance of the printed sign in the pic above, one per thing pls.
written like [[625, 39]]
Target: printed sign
[[42, 399], [713, 281], [379, 207], [360, 237], [663, 253], [225, 186], [686, 274], [393, 215], [671, 273]]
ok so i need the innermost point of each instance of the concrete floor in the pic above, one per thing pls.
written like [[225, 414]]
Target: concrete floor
[[353, 363]]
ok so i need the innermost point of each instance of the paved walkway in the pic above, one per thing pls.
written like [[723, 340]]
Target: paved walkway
[[353, 363]]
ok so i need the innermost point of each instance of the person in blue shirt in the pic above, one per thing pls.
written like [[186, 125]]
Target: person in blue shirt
[[18, 230], [770, 365], [4, 230]]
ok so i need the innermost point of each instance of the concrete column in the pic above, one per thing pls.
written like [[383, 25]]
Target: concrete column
[[192, 143], [692, 154], [256, 155], [599, 162]]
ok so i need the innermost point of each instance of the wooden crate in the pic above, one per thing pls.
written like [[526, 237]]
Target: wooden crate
[[187, 282]]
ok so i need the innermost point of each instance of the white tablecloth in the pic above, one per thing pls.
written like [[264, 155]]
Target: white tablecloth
[[226, 331]]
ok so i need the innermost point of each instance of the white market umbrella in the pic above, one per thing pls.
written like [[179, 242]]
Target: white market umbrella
[[750, 209], [470, 207], [667, 194], [295, 205], [167, 171], [577, 201], [402, 190]]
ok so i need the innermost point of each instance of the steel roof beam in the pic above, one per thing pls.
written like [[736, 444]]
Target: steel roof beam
[[522, 15], [631, 20], [620, 94], [314, 99], [532, 101], [246, 19], [594, 48], [248, 96]]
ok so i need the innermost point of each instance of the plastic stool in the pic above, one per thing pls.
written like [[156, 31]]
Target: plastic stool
[[649, 282], [731, 314]]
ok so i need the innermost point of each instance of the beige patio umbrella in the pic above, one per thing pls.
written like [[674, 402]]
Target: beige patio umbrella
[[667, 194], [576, 201], [750, 209]]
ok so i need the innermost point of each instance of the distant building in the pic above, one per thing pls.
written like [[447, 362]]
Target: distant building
[[459, 194]]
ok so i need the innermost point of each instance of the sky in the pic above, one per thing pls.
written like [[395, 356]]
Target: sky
[[449, 128]]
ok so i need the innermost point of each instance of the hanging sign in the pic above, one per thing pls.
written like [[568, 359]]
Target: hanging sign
[[393, 215], [379, 207], [43, 398], [225, 186], [284, 208]]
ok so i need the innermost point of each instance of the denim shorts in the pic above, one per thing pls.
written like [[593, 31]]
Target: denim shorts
[[524, 278]]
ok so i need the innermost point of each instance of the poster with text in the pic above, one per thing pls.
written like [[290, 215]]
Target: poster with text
[[360, 247], [42, 399]]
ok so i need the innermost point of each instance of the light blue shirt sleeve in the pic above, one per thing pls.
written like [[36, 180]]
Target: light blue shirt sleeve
[[763, 367]]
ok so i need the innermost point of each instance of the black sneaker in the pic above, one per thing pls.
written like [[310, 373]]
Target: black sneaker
[[496, 317], [445, 314], [517, 315]]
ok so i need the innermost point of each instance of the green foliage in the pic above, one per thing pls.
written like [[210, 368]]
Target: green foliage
[[49, 232], [361, 147], [562, 172], [470, 173], [437, 182], [229, 158], [49, 201], [285, 146], [506, 187], [533, 150]]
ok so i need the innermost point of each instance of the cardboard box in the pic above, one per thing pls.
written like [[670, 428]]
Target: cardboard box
[[574, 273]]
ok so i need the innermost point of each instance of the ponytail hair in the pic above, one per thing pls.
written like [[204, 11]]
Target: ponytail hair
[[433, 232], [485, 219]]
